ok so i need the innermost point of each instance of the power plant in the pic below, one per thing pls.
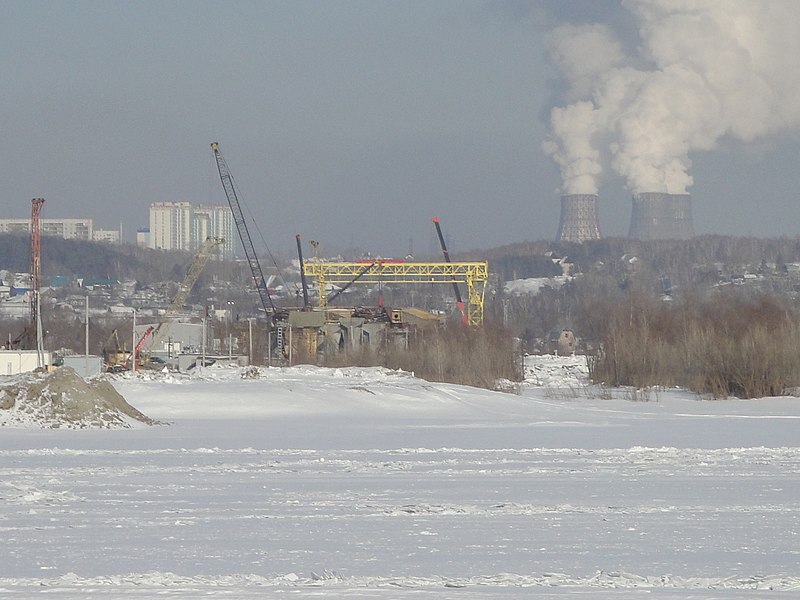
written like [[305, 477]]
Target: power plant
[[661, 216], [579, 221], [654, 216]]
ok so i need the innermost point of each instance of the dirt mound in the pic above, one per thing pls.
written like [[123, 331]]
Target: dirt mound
[[62, 399]]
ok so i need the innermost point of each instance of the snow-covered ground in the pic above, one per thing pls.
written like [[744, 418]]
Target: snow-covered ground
[[365, 483], [534, 285]]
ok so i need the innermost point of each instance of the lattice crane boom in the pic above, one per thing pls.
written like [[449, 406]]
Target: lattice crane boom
[[184, 289], [192, 275], [244, 235]]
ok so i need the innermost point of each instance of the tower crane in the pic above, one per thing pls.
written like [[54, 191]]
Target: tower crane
[[32, 332], [244, 235]]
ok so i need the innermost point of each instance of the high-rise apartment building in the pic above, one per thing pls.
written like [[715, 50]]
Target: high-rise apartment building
[[171, 226], [180, 226], [217, 221]]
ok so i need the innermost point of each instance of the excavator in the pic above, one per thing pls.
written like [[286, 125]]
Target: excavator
[[114, 357]]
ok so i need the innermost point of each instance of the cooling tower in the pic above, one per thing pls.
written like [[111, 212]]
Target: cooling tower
[[578, 218], [659, 216]]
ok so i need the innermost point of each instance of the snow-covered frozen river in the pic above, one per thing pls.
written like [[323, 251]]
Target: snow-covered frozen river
[[366, 483]]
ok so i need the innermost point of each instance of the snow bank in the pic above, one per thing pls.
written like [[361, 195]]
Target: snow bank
[[548, 370], [331, 582]]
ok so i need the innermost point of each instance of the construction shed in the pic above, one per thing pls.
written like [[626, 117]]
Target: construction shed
[[13, 362]]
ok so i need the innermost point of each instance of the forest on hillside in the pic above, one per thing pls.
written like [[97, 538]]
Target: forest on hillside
[[683, 261], [680, 260], [96, 260]]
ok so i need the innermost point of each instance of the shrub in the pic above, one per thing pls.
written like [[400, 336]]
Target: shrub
[[476, 356], [725, 345]]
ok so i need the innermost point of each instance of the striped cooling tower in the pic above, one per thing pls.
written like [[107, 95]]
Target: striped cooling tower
[[661, 216], [578, 218]]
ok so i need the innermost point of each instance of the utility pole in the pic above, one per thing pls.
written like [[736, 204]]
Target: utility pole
[[250, 338], [133, 346], [203, 347], [86, 337]]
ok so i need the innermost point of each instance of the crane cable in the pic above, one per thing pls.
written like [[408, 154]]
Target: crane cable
[[258, 230]]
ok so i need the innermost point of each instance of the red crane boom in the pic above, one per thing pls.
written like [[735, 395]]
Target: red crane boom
[[36, 259]]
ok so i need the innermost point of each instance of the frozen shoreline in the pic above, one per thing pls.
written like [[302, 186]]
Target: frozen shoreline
[[369, 483]]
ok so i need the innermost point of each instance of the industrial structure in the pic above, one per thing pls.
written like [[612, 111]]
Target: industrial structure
[[473, 274], [661, 216], [228, 185], [160, 336], [155, 336], [36, 281], [579, 221], [36, 259], [32, 355], [302, 334]]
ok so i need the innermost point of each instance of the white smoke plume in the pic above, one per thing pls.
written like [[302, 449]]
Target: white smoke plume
[[705, 70]]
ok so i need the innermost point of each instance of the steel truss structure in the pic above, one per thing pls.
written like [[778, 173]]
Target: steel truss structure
[[473, 274]]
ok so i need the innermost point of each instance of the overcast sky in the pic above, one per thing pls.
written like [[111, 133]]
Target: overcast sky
[[349, 122]]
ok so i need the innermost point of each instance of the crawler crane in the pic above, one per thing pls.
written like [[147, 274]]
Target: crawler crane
[[244, 235], [198, 264]]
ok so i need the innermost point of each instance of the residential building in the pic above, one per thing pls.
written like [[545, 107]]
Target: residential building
[[110, 236], [143, 237], [69, 229], [171, 226], [216, 221], [180, 226]]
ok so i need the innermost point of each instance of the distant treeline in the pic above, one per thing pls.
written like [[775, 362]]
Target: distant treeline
[[93, 260], [676, 259]]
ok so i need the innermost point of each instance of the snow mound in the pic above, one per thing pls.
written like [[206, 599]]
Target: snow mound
[[548, 370], [63, 399]]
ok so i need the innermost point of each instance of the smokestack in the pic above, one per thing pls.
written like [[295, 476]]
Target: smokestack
[[578, 218], [659, 216]]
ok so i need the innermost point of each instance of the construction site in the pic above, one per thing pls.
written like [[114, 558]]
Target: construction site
[[320, 321]]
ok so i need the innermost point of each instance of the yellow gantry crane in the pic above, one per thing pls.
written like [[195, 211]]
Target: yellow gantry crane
[[473, 274]]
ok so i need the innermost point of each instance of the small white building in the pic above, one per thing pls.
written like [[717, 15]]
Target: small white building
[[13, 362]]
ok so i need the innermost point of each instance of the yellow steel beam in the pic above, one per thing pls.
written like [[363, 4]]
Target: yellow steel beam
[[473, 274]]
